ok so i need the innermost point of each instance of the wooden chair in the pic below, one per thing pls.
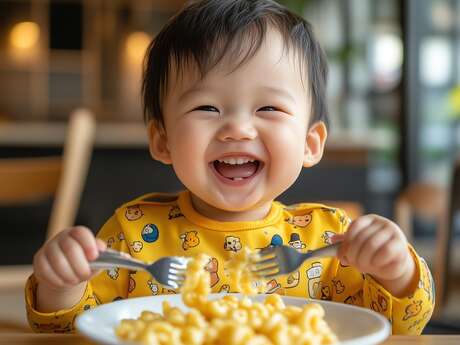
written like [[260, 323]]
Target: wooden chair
[[445, 239], [438, 204], [27, 180]]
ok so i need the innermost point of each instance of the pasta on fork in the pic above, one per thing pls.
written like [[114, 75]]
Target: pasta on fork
[[228, 320]]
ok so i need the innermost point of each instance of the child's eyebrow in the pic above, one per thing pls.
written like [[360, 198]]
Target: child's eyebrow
[[271, 89], [189, 92], [279, 91]]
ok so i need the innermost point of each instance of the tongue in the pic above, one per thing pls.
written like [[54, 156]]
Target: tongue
[[236, 170]]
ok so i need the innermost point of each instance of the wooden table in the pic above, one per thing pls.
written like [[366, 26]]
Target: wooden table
[[65, 339]]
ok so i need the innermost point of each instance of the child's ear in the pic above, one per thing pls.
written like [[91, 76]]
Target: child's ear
[[158, 143], [314, 144]]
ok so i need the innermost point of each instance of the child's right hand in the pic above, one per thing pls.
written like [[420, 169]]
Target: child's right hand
[[63, 262]]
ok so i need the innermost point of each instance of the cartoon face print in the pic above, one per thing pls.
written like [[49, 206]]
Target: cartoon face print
[[339, 287], [150, 233], [212, 268], [153, 287], [293, 280], [232, 243], [383, 303], [225, 288], [272, 286], [327, 236], [113, 273], [165, 291], [133, 212], [110, 242], [137, 246], [326, 293], [300, 221], [276, 240], [131, 284], [413, 310], [189, 239], [356, 299], [174, 212], [314, 279], [380, 305], [295, 241]]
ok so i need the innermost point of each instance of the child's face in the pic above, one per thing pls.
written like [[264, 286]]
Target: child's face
[[259, 112]]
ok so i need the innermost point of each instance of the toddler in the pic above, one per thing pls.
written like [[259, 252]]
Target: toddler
[[234, 100]]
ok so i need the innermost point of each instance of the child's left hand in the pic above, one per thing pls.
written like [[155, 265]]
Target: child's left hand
[[376, 245]]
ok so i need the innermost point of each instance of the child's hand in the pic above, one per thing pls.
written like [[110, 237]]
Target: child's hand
[[377, 246], [63, 262]]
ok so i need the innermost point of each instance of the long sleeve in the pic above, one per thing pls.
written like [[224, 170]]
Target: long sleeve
[[105, 287], [408, 315]]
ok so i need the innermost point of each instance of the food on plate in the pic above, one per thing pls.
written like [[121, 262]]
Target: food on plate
[[228, 320]]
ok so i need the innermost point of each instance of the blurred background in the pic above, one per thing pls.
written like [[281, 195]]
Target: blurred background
[[394, 97]]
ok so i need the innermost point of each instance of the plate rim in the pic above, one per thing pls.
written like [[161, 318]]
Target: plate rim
[[373, 338]]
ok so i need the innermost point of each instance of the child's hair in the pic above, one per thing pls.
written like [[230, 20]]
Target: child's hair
[[204, 32]]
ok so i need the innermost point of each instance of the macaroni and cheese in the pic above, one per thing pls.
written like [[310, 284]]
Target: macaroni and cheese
[[228, 320]]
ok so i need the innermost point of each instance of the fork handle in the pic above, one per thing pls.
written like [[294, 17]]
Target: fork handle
[[327, 251], [111, 258]]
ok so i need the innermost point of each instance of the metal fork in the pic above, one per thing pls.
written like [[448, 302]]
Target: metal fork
[[168, 271], [278, 260]]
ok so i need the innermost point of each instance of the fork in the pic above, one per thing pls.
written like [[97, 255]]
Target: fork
[[168, 271], [278, 260]]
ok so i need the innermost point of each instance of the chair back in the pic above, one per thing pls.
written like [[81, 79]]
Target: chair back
[[76, 159], [446, 236], [27, 180]]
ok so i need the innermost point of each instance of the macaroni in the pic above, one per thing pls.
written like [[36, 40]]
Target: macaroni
[[228, 320]]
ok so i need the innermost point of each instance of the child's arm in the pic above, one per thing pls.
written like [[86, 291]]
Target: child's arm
[[57, 292], [377, 246], [61, 268], [381, 271]]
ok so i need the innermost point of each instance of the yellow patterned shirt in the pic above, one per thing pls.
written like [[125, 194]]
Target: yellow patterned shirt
[[157, 225]]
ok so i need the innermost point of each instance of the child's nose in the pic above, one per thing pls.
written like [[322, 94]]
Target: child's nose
[[237, 128]]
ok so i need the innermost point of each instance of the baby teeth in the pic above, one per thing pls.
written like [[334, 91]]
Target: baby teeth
[[234, 161], [237, 178]]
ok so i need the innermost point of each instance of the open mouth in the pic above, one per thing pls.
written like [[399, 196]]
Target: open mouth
[[237, 168]]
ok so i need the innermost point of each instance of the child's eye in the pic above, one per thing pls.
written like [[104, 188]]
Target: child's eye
[[268, 108], [207, 108]]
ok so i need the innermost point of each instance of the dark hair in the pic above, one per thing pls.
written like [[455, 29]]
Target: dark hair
[[206, 31]]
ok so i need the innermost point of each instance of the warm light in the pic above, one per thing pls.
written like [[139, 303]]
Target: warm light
[[24, 35], [136, 45]]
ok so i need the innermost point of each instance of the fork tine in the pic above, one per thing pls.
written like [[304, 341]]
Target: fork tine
[[267, 250], [173, 284], [266, 273], [179, 262], [266, 261], [265, 268], [176, 278], [177, 271]]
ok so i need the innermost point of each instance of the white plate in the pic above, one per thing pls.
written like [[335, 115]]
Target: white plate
[[352, 325]]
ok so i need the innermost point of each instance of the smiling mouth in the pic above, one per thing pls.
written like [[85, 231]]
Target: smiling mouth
[[237, 168]]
